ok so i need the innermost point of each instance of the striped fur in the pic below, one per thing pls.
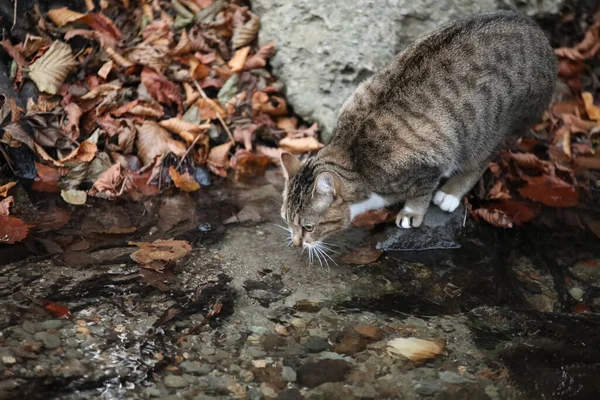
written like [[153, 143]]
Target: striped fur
[[438, 110]]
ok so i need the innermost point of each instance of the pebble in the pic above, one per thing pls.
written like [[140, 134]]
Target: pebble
[[259, 330], [315, 344], [52, 324], [298, 323], [152, 392], [313, 374], [49, 340], [255, 352], [8, 360], [576, 293], [195, 368], [427, 388], [30, 327], [288, 374], [454, 378], [175, 381]]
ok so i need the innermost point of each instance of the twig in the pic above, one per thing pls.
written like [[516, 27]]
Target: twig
[[8, 160], [204, 96], [188, 150], [14, 15]]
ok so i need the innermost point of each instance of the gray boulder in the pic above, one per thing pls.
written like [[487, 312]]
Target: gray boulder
[[326, 48]]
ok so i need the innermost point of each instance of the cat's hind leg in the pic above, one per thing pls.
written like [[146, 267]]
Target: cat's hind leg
[[451, 193]]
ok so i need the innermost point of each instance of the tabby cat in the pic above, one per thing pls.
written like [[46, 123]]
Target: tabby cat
[[436, 112]]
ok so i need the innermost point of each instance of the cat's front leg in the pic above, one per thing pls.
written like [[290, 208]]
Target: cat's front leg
[[413, 212]]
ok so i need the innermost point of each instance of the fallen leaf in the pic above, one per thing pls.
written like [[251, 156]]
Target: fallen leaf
[[363, 255], [156, 255], [57, 309], [239, 59], [369, 219], [585, 49], [63, 16], [247, 213], [180, 126], [12, 229], [84, 153], [528, 160], [101, 90], [300, 145], [498, 192], [110, 183], [593, 111], [518, 211], [75, 197], [494, 217], [371, 332], [50, 70], [5, 188], [248, 165], [154, 141], [550, 191], [105, 69], [246, 33], [185, 182], [5, 205], [219, 155], [259, 60], [160, 88], [209, 109], [415, 349]]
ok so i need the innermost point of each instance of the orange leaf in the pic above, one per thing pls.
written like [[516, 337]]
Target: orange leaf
[[593, 111], [550, 191], [371, 218], [518, 212], [248, 165], [363, 255], [239, 59], [57, 309], [494, 217], [5, 188], [84, 153], [110, 183], [300, 145], [209, 109], [63, 16], [154, 141], [12, 229], [219, 155], [185, 182]]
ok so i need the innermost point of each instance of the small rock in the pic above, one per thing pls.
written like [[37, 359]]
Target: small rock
[[267, 390], [532, 287], [49, 340], [298, 323], [259, 330], [52, 324], [8, 360], [259, 363], [427, 388], [255, 352], [175, 381], [307, 306], [454, 378], [576, 293], [194, 368], [288, 374], [315, 344], [246, 376], [313, 374], [290, 394], [30, 327], [152, 392]]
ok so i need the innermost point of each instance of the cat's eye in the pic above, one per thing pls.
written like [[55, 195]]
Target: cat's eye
[[308, 227]]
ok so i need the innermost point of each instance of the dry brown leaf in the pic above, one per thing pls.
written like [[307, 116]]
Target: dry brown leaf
[[50, 70], [73, 196], [156, 255], [198, 70], [74, 114], [287, 123], [102, 24], [105, 69], [550, 191], [209, 109], [248, 165], [5, 188], [12, 229], [369, 219], [5, 205], [246, 33], [239, 59], [274, 106], [185, 182], [13, 52], [246, 214], [584, 50], [178, 126], [499, 191], [153, 141], [160, 88], [184, 45], [300, 145], [84, 153], [363, 255], [117, 57], [274, 153], [110, 183], [494, 217], [529, 160], [576, 124], [154, 57], [415, 349], [63, 16], [259, 60], [593, 111]]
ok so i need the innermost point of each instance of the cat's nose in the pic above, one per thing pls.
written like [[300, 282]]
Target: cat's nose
[[298, 241]]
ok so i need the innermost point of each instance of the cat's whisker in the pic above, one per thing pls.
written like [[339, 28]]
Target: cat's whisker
[[323, 251], [287, 229]]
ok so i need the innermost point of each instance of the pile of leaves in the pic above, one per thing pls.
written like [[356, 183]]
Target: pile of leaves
[[139, 96], [556, 165]]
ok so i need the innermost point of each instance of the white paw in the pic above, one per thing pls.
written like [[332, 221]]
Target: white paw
[[407, 218], [446, 202]]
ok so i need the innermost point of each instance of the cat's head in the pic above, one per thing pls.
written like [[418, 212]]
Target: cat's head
[[312, 203]]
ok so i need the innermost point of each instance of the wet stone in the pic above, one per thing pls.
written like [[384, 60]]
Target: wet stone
[[194, 368], [290, 394], [175, 381], [49, 340], [313, 374], [454, 378], [255, 352], [30, 327], [288, 374], [316, 344], [152, 392], [532, 287], [52, 324], [427, 388]]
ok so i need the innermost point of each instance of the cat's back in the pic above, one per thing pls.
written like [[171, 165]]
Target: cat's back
[[461, 89]]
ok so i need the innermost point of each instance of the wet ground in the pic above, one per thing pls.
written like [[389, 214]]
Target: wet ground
[[244, 316]]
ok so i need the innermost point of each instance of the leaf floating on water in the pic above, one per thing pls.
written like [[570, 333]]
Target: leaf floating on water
[[12, 229], [363, 255], [57, 309], [75, 197], [50, 70], [415, 349], [156, 255]]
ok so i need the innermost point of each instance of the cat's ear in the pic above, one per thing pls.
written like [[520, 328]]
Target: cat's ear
[[291, 165], [326, 184]]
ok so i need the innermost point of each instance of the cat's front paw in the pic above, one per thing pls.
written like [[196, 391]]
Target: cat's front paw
[[445, 201], [408, 218]]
